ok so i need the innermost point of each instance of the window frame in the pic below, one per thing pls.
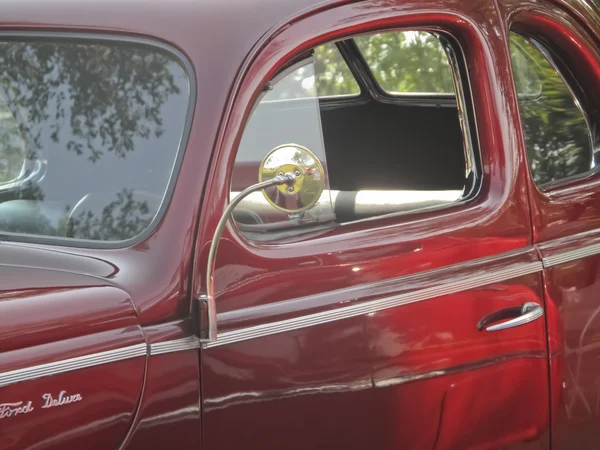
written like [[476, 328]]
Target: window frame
[[103, 37], [467, 120]]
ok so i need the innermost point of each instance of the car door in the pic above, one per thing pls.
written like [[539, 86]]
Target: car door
[[560, 130], [386, 327]]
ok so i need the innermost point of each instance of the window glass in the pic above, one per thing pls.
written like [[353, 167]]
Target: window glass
[[89, 133], [407, 62], [378, 157], [557, 137], [330, 71]]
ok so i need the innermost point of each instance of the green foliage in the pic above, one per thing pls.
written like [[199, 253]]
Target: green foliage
[[407, 61], [402, 62], [333, 76]]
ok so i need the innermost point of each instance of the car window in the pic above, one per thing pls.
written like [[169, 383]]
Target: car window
[[89, 134], [557, 138], [407, 62], [379, 158], [330, 72]]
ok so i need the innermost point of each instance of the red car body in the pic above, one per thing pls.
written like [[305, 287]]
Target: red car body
[[98, 347]]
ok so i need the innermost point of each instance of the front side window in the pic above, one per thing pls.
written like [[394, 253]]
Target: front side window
[[379, 157], [89, 134], [557, 138]]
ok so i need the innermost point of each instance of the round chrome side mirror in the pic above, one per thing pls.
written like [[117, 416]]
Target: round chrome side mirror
[[309, 178]]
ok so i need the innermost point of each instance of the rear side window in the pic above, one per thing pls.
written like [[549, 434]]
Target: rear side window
[[89, 136], [557, 137]]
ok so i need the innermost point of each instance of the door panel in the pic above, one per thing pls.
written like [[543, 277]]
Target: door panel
[[365, 335], [413, 370], [566, 217], [72, 363], [301, 389]]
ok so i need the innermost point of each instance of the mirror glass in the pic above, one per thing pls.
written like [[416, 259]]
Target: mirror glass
[[308, 184]]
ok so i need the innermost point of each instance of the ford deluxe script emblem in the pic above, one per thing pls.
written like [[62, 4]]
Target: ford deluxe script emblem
[[14, 409], [62, 399], [48, 401]]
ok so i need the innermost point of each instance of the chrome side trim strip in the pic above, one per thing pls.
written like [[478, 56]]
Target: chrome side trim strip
[[571, 255], [178, 345], [68, 365], [380, 304]]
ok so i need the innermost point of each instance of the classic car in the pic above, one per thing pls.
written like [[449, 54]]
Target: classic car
[[299, 224]]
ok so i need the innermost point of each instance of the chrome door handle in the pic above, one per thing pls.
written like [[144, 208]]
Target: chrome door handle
[[518, 315]]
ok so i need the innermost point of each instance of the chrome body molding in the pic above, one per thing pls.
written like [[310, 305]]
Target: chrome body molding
[[380, 304], [178, 345], [96, 359], [68, 365], [571, 255]]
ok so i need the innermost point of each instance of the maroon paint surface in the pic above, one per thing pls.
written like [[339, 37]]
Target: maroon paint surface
[[418, 376]]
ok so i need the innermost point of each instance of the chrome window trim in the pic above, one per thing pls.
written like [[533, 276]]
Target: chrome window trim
[[372, 306], [71, 364]]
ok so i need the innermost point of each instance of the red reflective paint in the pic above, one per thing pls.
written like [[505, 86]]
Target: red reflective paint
[[417, 375]]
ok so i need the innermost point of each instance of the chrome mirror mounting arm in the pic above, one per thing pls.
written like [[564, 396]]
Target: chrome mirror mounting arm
[[207, 307]]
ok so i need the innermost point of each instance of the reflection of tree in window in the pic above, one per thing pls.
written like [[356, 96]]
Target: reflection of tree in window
[[120, 219], [12, 147], [107, 95], [65, 107], [556, 134]]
